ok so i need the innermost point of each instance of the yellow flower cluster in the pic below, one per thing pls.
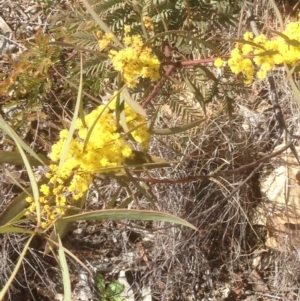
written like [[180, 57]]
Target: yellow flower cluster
[[105, 40], [148, 23], [218, 62], [135, 60], [105, 151], [267, 53]]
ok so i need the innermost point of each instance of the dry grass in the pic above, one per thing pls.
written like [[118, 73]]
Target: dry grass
[[218, 262]]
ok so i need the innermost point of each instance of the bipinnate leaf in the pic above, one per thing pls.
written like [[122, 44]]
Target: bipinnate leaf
[[196, 91], [182, 34], [100, 22]]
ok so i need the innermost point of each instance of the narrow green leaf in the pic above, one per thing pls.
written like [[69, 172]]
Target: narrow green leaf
[[10, 229], [292, 42], [71, 255], [157, 113], [65, 272], [132, 103], [17, 218], [141, 187], [293, 84], [127, 201], [162, 19], [15, 158], [120, 113], [179, 42], [79, 48], [14, 208], [126, 214], [194, 89], [243, 42], [207, 72], [20, 144], [9, 131], [13, 179], [128, 132], [177, 129], [277, 12], [114, 198], [145, 161], [81, 109], [17, 206], [61, 228], [145, 34], [78, 107]]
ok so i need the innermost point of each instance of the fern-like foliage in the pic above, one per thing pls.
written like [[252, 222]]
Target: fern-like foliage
[[184, 25]]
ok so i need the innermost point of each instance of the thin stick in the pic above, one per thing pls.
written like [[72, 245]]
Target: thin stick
[[243, 168]]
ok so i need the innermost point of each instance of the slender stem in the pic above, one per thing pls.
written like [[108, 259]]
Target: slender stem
[[220, 173]]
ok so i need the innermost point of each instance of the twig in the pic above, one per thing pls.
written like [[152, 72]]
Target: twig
[[243, 168], [157, 88]]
